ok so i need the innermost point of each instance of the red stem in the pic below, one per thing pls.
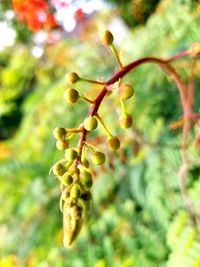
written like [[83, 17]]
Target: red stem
[[121, 73], [186, 103]]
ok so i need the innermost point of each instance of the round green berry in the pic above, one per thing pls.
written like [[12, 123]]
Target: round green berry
[[125, 91], [85, 163], [113, 143], [126, 121], [71, 95], [59, 169], [72, 77], [67, 179], [71, 154], [86, 178], [107, 38], [62, 144], [75, 192], [90, 123], [98, 158], [59, 133]]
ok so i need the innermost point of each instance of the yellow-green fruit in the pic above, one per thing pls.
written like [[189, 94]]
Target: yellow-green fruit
[[85, 163], [107, 38], [70, 154], [125, 91], [126, 121], [113, 143], [86, 178], [90, 123], [98, 158], [71, 95], [59, 133], [59, 169], [62, 144], [75, 191], [67, 179], [72, 77]]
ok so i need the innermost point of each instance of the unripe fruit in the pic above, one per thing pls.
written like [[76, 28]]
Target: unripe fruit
[[59, 133], [107, 38], [90, 123], [126, 121], [125, 91], [62, 144], [98, 158], [72, 77], [71, 95], [113, 143], [59, 169], [67, 179], [86, 178], [85, 163], [70, 154], [75, 191]]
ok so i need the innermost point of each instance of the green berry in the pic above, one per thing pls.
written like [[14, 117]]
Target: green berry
[[107, 38], [59, 169], [85, 163], [113, 143], [125, 121], [125, 91], [75, 192], [67, 179], [71, 95], [90, 123], [71, 154], [98, 158], [72, 77], [62, 144], [86, 178], [59, 133]]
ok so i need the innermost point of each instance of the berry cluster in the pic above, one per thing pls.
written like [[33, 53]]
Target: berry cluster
[[74, 170]]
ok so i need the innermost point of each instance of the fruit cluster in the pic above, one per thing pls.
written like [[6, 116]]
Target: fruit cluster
[[74, 170]]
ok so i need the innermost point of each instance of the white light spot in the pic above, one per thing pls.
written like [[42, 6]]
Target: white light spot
[[7, 35], [9, 14], [37, 51]]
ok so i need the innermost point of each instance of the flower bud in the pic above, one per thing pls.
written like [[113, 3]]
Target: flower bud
[[67, 179], [85, 163], [72, 77], [59, 133], [71, 95], [59, 169], [98, 158], [125, 91], [113, 143], [86, 178], [90, 123], [125, 121], [107, 38], [194, 50], [70, 154], [75, 192], [62, 144]]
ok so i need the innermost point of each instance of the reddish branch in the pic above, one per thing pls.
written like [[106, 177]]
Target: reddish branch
[[186, 98]]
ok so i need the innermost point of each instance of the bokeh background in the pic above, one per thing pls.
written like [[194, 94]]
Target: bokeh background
[[138, 217]]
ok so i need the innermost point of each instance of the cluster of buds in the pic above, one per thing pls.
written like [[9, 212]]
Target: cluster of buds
[[74, 171]]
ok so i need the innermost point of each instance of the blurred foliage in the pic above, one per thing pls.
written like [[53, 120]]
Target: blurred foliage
[[135, 12], [138, 217]]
